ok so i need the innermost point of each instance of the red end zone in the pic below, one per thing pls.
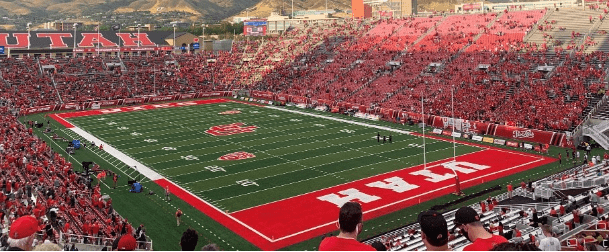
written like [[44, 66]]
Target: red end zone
[[282, 223]]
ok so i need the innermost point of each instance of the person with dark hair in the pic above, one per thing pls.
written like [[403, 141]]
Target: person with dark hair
[[189, 240], [434, 231], [350, 223], [510, 246], [468, 221]]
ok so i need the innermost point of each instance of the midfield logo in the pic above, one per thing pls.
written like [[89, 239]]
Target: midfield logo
[[230, 112], [230, 129], [237, 156]]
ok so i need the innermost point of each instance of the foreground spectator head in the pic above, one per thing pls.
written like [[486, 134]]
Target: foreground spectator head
[[189, 240], [434, 230], [22, 232], [350, 219], [511, 246], [127, 243], [48, 247], [468, 221], [210, 247]]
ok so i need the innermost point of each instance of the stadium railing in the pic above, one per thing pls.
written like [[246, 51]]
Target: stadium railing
[[102, 241]]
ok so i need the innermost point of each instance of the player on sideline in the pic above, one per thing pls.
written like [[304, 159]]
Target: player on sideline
[[378, 137], [390, 140], [167, 193], [178, 215], [350, 219]]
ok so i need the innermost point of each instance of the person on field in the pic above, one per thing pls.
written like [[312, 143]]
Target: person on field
[[178, 216]]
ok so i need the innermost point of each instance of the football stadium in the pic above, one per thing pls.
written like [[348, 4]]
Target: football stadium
[[475, 129]]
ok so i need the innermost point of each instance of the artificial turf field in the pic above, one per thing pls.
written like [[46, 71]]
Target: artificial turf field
[[273, 199]]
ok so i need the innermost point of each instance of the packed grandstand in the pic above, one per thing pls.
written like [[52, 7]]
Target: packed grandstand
[[512, 74]]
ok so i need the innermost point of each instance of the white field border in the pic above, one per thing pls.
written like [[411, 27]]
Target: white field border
[[152, 175]]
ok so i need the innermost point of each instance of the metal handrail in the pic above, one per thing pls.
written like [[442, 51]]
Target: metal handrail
[[80, 239]]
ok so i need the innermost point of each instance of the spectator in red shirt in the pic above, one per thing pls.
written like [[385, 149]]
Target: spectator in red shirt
[[602, 224], [523, 185], [562, 210], [510, 189], [553, 212], [350, 219], [95, 230], [483, 206], [86, 229], [434, 231], [468, 221]]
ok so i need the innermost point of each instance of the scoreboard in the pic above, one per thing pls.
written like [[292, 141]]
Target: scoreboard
[[255, 27]]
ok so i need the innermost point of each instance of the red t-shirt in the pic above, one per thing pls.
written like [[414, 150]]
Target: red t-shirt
[[341, 244], [485, 244], [509, 188], [562, 210]]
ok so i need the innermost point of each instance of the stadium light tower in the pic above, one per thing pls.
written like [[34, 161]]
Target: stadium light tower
[[203, 27], [28, 35], [174, 36], [74, 48], [138, 39]]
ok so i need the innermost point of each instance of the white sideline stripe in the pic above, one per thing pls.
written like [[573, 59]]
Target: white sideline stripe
[[144, 170], [342, 120], [222, 212]]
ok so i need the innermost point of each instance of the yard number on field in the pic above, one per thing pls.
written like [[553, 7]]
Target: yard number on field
[[415, 145], [246, 182], [214, 168], [347, 131], [136, 134], [151, 140], [189, 157], [169, 148]]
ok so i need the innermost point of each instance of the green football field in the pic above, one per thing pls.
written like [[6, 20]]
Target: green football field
[[295, 154]]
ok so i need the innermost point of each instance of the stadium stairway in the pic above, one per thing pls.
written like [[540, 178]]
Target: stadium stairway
[[598, 136], [534, 29], [600, 37]]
